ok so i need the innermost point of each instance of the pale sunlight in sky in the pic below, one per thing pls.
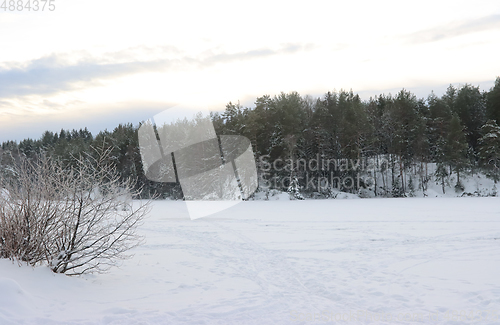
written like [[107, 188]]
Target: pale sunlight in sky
[[96, 64]]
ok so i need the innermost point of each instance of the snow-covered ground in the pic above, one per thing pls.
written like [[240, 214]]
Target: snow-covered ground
[[417, 261]]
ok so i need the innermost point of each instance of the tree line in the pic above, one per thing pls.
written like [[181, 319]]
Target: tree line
[[458, 132]]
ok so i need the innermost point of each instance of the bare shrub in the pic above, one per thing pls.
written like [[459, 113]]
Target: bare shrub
[[78, 219], [28, 209]]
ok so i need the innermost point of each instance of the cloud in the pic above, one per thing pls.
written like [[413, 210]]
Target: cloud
[[50, 74], [62, 72], [454, 30], [255, 54]]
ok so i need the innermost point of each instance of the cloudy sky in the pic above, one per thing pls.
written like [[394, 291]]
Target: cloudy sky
[[95, 64]]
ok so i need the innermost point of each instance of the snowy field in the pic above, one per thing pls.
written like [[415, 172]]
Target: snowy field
[[371, 261]]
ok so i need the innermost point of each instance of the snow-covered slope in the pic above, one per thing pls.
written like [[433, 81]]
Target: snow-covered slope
[[416, 260]]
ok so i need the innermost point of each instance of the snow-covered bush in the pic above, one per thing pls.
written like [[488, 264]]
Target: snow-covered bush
[[77, 220], [294, 190]]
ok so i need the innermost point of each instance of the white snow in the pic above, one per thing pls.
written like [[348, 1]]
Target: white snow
[[285, 262]]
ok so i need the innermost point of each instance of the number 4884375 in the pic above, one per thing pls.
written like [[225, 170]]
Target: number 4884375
[[28, 5]]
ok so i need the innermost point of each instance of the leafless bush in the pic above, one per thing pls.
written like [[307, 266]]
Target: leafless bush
[[79, 219], [28, 209]]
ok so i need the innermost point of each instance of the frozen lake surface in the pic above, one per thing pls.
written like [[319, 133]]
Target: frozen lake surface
[[370, 261]]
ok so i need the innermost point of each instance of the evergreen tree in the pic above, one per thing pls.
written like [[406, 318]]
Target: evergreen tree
[[493, 102], [438, 122], [489, 150], [294, 189], [456, 149], [441, 173], [470, 106]]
